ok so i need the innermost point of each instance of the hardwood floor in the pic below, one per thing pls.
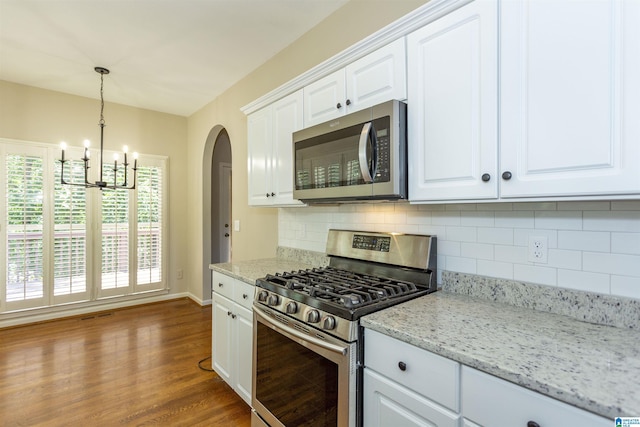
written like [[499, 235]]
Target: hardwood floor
[[130, 367]]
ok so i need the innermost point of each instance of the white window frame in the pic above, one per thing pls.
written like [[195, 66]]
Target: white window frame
[[50, 153]]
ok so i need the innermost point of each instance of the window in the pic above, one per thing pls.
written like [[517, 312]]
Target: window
[[52, 253]]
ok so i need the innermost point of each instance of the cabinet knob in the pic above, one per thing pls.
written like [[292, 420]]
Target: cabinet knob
[[228, 313], [245, 296], [233, 316], [506, 175], [226, 234], [486, 177], [273, 194], [338, 106], [532, 424], [348, 102], [402, 366], [220, 285], [267, 194]]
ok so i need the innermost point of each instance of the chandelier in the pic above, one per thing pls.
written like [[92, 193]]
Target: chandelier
[[101, 184]]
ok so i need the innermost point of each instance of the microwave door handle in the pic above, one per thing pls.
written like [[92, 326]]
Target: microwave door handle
[[362, 153]]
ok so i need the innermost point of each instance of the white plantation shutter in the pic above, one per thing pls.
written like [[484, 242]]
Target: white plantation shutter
[[115, 237], [70, 234], [149, 225], [24, 227]]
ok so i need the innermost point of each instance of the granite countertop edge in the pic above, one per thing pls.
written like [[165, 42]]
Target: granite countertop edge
[[540, 351]]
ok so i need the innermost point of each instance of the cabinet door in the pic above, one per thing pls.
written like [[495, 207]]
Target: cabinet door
[[243, 350], [386, 403], [287, 118], [378, 77], [452, 114], [570, 97], [324, 99], [259, 134], [221, 342], [490, 401]]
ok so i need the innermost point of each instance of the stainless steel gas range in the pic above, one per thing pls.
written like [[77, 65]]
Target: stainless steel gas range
[[308, 350]]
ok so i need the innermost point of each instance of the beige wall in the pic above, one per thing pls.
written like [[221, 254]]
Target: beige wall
[[258, 236], [37, 115]]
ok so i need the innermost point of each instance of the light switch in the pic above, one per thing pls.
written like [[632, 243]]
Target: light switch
[[236, 225]]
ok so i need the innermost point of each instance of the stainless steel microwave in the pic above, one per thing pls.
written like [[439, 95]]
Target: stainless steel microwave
[[358, 157]]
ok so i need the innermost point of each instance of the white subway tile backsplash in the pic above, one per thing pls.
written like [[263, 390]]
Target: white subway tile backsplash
[[498, 236], [619, 264], [513, 254], [447, 247], [463, 265], [584, 281], [477, 219], [461, 234], [535, 274], [495, 269], [593, 246], [476, 250], [584, 206], [625, 243], [559, 220], [561, 258], [584, 240], [515, 219], [625, 286], [623, 221], [445, 218]]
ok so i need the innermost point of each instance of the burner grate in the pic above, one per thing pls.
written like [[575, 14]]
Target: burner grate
[[342, 287]]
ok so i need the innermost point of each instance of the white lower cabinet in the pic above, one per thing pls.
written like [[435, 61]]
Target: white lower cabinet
[[232, 329], [491, 401], [408, 386], [387, 403], [405, 386]]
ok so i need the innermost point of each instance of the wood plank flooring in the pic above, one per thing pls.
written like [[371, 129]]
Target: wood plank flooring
[[130, 367]]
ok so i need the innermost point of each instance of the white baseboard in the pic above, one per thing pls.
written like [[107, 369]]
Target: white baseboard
[[52, 313]]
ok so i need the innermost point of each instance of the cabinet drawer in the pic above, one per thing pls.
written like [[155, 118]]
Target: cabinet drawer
[[222, 284], [428, 374], [387, 403], [243, 294], [491, 401]]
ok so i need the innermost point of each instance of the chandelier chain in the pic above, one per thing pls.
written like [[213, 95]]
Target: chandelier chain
[[101, 122]]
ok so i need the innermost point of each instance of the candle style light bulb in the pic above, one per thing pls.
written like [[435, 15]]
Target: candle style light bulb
[[115, 157], [63, 146], [125, 149], [135, 159], [87, 143]]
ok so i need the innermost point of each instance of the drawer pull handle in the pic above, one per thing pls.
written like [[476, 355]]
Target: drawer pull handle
[[532, 424], [402, 366]]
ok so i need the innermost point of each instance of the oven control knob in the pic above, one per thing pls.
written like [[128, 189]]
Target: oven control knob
[[292, 307], [313, 316], [262, 296], [273, 299], [329, 323]]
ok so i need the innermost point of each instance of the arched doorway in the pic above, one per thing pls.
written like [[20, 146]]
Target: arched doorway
[[216, 203]]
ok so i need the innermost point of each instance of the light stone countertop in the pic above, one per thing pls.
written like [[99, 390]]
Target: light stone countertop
[[250, 271], [594, 367]]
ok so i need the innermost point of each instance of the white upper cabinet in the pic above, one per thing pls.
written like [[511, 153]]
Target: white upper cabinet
[[570, 98], [452, 105], [270, 151], [379, 76]]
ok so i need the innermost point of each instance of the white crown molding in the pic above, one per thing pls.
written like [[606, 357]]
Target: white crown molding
[[418, 18]]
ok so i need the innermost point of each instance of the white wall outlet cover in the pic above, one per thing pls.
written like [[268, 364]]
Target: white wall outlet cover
[[236, 225], [538, 250]]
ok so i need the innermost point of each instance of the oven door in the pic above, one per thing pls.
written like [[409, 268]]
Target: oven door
[[301, 376]]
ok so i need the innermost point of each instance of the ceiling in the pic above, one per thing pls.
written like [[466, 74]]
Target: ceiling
[[173, 56]]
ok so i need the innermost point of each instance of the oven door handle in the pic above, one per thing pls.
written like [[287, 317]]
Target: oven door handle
[[296, 334], [367, 174]]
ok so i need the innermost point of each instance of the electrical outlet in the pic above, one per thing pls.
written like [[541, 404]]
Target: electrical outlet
[[538, 249], [179, 274]]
